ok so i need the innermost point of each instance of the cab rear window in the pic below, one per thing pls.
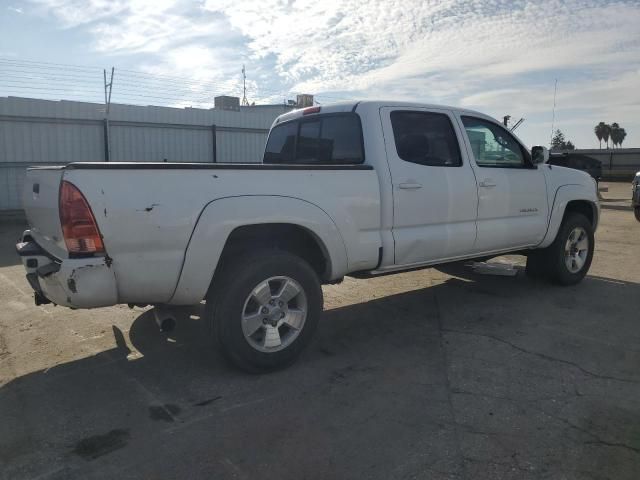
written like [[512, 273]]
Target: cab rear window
[[334, 139]]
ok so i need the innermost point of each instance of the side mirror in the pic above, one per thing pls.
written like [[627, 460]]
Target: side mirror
[[539, 154]]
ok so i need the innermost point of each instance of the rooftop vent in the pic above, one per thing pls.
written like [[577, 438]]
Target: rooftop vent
[[227, 103]]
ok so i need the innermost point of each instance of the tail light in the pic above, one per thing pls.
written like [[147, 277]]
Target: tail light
[[310, 110], [79, 227]]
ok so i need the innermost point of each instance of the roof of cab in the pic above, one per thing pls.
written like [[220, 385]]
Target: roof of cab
[[354, 105]]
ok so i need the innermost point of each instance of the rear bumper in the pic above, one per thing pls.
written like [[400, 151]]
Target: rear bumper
[[71, 282]]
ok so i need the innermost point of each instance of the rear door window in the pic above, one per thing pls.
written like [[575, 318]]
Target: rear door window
[[426, 138]]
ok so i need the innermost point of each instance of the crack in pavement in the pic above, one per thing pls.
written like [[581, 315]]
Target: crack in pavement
[[443, 348], [543, 356], [597, 440]]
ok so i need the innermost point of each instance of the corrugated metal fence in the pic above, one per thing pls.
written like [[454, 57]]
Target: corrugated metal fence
[[43, 132], [618, 164]]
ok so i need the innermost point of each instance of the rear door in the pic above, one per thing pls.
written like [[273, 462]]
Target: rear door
[[512, 192], [435, 197]]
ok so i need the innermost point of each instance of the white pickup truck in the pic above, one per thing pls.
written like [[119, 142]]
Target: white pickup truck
[[356, 189]]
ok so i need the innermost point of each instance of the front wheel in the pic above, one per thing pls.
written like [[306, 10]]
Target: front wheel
[[264, 309], [567, 260]]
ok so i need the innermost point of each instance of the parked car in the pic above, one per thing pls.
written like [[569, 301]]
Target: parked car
[[578, 161], [359, 189], [635, 195]]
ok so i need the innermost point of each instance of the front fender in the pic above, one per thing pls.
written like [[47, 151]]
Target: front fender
[[220, 217], [564, 195]]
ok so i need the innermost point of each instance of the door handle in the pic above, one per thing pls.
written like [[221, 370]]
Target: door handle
[[410, 186], [487, 183]]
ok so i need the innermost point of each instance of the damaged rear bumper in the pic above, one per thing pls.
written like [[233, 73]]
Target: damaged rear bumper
[[71, 282]]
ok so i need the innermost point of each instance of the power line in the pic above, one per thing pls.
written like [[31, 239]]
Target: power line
[[70, 79], [42, 87], [132, 73], [159, 78], [79, 90], [155, 77], [35, 62], [57, 76], [63, 82], [45, 90]]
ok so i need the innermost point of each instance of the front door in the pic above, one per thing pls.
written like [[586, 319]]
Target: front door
[[435, 196], [512, 192]]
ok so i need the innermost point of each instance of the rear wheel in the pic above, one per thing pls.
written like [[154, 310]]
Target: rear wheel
[[636, 212], [567, 260], [264, 309]]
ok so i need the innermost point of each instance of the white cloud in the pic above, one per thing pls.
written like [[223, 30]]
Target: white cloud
[[73, 13], [492, 55]]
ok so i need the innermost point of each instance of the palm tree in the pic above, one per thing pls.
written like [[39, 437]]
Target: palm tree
[[606, 133], [622, 134], [599, 131], [615, 134]]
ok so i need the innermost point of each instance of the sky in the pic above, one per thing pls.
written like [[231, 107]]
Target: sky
[[499, 57]]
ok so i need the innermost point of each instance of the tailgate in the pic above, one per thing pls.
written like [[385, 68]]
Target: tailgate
[[40, 201]]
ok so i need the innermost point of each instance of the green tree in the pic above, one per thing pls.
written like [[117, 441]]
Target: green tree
[[559, 142]]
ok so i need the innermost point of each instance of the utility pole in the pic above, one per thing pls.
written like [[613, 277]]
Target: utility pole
[[245, 102], [107, 103]]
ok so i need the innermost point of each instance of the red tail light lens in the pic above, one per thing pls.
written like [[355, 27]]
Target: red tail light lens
[[79, 227], [310, 110]]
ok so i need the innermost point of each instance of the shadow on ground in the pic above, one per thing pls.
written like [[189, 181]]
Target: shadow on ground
[[10, 232], [498, 378]]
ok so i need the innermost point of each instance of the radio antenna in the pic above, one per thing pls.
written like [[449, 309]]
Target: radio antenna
[[553, 115], [245, 102]]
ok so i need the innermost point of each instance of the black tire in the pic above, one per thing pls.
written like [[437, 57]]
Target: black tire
[[549, 263], [226, 302], [636, 212]]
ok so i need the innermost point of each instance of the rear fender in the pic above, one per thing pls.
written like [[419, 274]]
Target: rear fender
[[220, 217]]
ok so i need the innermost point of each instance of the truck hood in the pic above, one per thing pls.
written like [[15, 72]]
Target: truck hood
[[559, 176]]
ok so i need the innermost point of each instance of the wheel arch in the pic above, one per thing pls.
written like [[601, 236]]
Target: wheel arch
[[584, 207], [571, 198], [227, 226], [290, 237]]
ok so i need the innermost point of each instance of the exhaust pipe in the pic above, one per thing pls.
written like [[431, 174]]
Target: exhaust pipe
[[165, 319]]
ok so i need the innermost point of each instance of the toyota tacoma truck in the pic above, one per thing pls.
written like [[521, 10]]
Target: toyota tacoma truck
[[360, 189]]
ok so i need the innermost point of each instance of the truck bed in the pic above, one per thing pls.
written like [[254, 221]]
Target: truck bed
[[148, 214]]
